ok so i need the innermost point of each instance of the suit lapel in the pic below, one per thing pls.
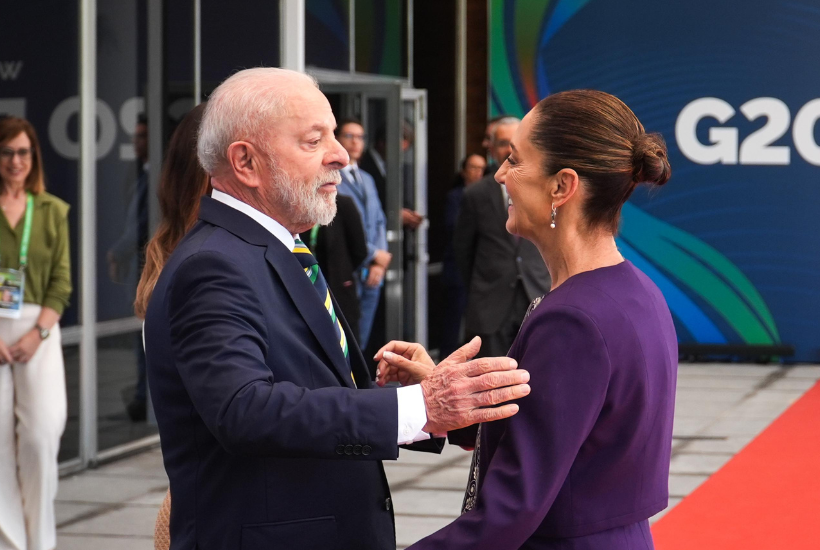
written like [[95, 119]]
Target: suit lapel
[[309, 305], [293, 277], [500, 207]]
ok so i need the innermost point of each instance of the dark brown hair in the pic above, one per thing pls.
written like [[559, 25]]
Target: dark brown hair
[[598, 136], [10, 128], [344, 122], [182, 185]]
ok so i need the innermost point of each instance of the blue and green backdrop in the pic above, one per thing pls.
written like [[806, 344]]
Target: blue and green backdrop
[[733, 240]]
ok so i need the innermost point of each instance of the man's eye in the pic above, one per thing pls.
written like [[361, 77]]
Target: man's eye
[[315, 142], [511, 161]]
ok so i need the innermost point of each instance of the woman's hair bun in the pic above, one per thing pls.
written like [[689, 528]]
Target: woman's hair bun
[[650, 162]]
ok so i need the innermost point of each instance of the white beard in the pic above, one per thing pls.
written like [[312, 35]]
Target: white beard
[[306, 204]]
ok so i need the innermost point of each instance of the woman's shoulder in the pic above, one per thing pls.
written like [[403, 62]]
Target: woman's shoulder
[[56, 206]]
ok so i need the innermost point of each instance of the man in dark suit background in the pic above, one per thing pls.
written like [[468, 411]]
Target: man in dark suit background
[[503, 273], [340, 248], [272, 433]]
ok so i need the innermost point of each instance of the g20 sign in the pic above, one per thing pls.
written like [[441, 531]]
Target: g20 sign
[[757, 148], [733, 241]]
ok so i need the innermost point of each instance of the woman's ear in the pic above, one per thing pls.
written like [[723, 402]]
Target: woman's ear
[[566, 183]]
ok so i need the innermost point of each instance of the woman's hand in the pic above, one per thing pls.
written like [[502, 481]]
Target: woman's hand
[[5, 354], [24, 349], [409, 363]]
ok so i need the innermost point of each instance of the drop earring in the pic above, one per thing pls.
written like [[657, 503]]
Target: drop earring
[[552, 225]]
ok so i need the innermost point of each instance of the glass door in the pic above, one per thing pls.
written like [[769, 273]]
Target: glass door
[[378, 105], [414, 172]]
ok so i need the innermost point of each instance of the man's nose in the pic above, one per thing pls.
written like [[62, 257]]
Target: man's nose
[[337, 156]]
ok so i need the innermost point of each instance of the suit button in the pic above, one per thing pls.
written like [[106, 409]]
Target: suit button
[[349, 450], [357, 450], [388, 504], [512, 285], [366, 450], [340, 449], [518, 259]]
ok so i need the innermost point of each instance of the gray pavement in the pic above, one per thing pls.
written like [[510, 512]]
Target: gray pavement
[[720, 408]]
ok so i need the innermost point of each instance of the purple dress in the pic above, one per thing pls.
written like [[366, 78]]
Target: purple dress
[[585, 462]]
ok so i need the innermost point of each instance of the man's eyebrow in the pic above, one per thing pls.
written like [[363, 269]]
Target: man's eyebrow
[[319, 127], [513, 147]]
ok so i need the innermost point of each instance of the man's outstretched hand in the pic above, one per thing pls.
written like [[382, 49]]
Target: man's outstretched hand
[[458, 392]]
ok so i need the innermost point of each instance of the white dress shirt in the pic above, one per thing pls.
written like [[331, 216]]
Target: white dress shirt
[[412, 411]]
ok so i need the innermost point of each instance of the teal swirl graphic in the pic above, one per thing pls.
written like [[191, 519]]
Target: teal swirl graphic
[[708, 295]]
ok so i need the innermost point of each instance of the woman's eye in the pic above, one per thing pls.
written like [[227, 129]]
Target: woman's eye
[[511, 161]]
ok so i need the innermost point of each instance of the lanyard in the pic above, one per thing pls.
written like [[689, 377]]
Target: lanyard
[[26, 231], [314, 232]]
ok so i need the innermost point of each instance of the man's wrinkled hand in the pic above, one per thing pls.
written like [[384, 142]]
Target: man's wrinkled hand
[[462, 394], [409, 363]]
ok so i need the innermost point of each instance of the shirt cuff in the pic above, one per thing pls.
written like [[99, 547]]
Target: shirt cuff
[[412, 415]]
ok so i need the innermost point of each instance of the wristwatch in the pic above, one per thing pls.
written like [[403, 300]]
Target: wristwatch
[[44, 332]]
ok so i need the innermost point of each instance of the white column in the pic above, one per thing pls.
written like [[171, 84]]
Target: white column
[[461, 82], [293, 35], [88, 231]]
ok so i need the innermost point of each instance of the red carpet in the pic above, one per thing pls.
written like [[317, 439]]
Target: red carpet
[[766, 498]]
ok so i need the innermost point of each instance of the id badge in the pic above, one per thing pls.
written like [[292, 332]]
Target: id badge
[[12, 285]]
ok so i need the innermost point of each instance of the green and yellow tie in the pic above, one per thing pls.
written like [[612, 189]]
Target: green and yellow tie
[[313, 272]]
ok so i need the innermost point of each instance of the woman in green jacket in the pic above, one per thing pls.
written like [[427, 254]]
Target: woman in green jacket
[[35, 285]]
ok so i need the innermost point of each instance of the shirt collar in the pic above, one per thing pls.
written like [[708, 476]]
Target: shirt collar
[[273, 226]]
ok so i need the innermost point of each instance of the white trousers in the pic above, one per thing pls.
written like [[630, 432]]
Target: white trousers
[[32, 419]]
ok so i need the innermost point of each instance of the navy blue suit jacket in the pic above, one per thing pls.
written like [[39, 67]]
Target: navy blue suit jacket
[[266, 441]]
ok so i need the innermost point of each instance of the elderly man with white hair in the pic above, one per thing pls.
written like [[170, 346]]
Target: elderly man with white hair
[[272, 432]]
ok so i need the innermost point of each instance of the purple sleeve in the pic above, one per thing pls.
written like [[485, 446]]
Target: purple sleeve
[[569, 368]]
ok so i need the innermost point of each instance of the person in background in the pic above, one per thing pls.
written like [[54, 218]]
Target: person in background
[[125, 258], [455, 295], [585, 463], [34, 254], [372, 161], [182, 184], [503, 273], [360, 186], [487, 144], [340, 248]]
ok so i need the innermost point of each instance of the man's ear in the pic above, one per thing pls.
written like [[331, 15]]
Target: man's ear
[[565, 186], [245, 161]]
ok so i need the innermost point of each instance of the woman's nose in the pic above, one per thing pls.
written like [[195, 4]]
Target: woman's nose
[[501, 174]]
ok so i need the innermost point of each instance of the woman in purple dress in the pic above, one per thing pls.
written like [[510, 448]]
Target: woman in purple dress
[[585, 462]]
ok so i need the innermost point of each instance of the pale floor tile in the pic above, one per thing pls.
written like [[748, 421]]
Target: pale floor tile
[[718, 382], [731, 445], [403, 473], [85, 542], [131, 521], [672, 503], [791, 384], [738, 426], [423, 502], [721, 369], [67, 511], [697, 463], [87, 487], [682, 485], [448, 478], [410, 529]]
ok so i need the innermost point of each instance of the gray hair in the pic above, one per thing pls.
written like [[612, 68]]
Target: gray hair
[[242, 108], [504, 121]]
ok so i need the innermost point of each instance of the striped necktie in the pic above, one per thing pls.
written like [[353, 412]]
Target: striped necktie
[[313, 272]]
